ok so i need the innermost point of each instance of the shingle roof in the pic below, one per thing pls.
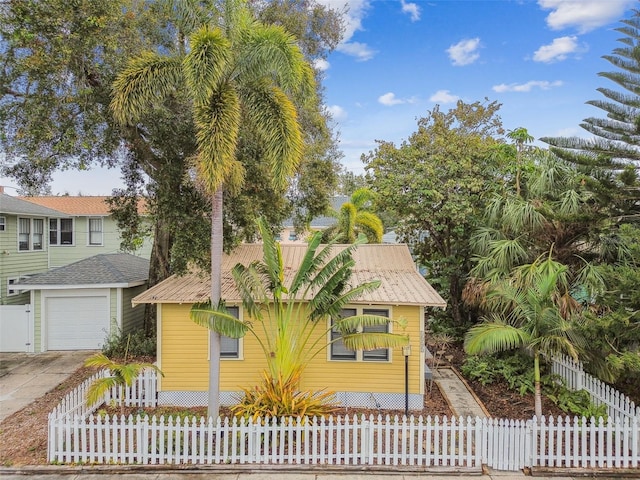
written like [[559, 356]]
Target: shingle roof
[[114, 269], [401, 284], [17, 206], [77, 205]]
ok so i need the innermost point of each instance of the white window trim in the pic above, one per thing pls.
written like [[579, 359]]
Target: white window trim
[[89, 244], [59, 232], [11, 292], [359, 353], [45, 232], [240, 341]]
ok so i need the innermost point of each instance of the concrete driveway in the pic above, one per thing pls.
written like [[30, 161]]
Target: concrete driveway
[[27, 376]]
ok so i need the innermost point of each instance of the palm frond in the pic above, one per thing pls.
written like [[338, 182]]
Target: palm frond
[[374, 340], [251, 288], [491, 337], [371, 225], [98, 388], [309, 265], [218, 320], [147, 79], [206, 62], [217, 126], [276, 121]]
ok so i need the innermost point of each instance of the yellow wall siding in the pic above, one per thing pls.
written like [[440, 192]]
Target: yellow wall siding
[[184, 350]]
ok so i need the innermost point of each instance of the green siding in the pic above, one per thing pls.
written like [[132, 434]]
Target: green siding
[[132, 317], [14, 263], [66, 254]]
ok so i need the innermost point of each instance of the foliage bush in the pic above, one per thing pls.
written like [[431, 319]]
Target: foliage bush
[[516, 370], [134, 344], [577, 402], [279, 397]]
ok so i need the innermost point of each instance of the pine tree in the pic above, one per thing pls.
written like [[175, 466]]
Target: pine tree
[[610, 157]]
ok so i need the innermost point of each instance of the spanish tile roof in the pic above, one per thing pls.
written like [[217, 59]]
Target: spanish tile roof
[[17, 206], [77, 205], [114, 269], [401, 284]]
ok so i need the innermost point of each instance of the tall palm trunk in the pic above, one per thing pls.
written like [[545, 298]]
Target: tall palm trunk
[[536, 382], [216, 292]]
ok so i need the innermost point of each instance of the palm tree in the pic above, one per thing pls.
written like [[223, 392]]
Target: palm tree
[[240, 71], [120, 375], [534, 310], [283, 316], [354, 218]]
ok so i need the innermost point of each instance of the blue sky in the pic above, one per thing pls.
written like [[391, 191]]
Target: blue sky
[[539, 58]]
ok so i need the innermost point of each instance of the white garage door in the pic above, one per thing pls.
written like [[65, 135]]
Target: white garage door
[[77, 322]]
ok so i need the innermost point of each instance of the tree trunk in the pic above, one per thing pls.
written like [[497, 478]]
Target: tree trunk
[[159, 269], [216, 291], [538, 393]]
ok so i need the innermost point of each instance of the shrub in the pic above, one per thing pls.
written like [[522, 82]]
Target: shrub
[[134, 344], [515, 370], [281, 398]]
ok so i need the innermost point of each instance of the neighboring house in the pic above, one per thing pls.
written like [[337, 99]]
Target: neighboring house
[[78, 306], [373, 379], [84, 229], [288, 233], [23, 244], [23, 252]]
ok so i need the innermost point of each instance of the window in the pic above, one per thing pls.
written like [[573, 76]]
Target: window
[[3, 223], [230, 347], [293, 236], [10, 283], [61, 231], [381, 354], [340, 352], [95, 231], [30, 234]]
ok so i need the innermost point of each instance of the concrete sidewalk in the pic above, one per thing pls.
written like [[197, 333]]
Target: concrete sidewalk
[[25, 377]]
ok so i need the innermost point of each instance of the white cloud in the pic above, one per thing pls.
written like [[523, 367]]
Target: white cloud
[[443, 96], [353, 11], [464, 52], [321, 64], [390, 99], [361, 51], [337, 112], [556, 50], [526, 87], [585, 15], [412, 9]]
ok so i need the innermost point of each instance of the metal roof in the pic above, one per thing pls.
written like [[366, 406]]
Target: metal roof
[[401, 284], [17, 206], [109, 269]]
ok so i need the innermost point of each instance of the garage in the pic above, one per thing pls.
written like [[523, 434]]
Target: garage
[[77, 320], [78, 306]]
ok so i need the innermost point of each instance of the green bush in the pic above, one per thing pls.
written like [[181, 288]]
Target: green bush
[[577, 402], [516, 370], [134, 344]]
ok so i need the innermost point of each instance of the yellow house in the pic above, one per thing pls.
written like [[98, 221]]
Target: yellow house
[[371, 379]]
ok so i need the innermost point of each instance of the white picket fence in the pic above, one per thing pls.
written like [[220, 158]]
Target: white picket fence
[[142, 393], [424, 442], [618, 404], [77, 436]]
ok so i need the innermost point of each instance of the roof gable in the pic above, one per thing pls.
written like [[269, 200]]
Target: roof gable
[[401, 283]]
